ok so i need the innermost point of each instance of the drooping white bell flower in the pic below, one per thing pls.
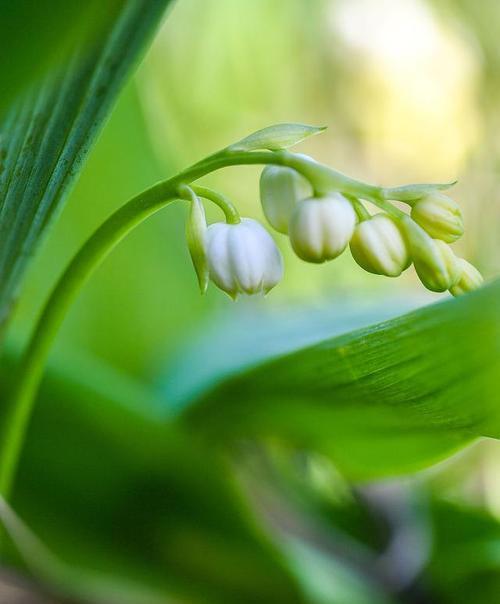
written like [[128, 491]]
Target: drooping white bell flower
[[321, 227], [379, 247], [280, 190], [243, 258]]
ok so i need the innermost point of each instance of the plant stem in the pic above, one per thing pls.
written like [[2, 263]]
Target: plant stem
[[361, 212], [230, 212], [18, 409], [385, 205]]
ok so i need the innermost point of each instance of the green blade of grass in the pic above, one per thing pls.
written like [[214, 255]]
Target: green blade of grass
[[47, 134]]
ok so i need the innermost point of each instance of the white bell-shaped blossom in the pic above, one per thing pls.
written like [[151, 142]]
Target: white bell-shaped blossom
[[379, 247], [243, 258], [280, 190], [321, 227]]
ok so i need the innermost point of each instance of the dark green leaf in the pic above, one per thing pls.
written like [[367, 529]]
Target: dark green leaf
[[46, 136], [124, 499], [383, 400], [465, 566]]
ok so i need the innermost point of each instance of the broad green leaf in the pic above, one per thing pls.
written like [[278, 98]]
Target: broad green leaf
[[47, 134], [274, 138], [234, 342], [386, 399], [125, 500]]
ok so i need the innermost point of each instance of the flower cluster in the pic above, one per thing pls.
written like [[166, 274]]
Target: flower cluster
[[323, 213]]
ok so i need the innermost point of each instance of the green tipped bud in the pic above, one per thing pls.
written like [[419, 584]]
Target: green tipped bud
[[379, 247], [276, 137], [280, 190], [321, 227], [470, 279], [435, 263], [438, 266], [196, 236], [440, 216]]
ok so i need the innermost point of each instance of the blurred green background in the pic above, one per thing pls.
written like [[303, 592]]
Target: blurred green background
[[410, 91]]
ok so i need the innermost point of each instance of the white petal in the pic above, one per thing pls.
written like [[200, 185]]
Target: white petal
[[246, 258], [272, 261], [243, 258], [218, 257], [280, 190]]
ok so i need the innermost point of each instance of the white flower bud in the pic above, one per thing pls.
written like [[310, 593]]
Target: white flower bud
[[438, 268], [196, 231], [470, 279], [321, 227], [243, 258], [434, 260], [379, 247], [440, 216], [280, 190]]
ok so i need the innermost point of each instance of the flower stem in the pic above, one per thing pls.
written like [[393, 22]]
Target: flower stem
[[19, 406], [230, 212], [361, 212]]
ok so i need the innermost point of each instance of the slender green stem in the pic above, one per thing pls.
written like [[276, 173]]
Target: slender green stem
[[18, 408], [361, 212], [324, 179], [230, 212], [385, 205]]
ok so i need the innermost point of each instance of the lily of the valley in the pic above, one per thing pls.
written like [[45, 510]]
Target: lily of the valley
[[379, 247], [243, 258], [434, 260], [470, 279], [440, 216], [321, 227], [281, 188]]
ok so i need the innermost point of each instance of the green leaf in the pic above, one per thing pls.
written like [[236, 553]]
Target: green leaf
[[125, 500], [46, 136], [386, 399], [274, 138], [465, 566]]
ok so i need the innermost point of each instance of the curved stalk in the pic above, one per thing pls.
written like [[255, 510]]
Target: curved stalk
[[19, 405], [230, 212], [361, 212], [17, 411]]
